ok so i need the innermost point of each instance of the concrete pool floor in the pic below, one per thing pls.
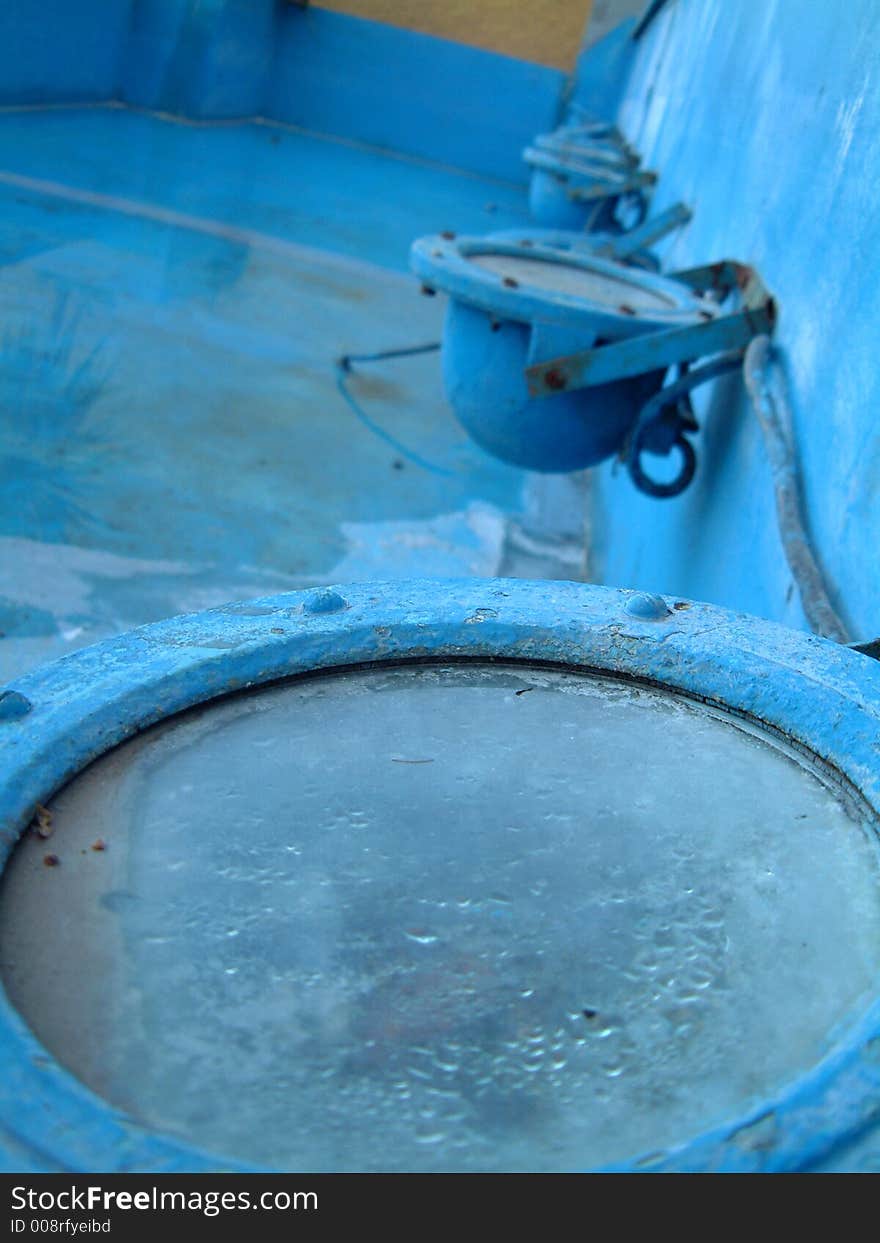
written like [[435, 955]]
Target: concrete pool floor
[[173, 299]]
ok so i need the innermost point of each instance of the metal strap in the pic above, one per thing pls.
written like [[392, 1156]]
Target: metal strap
[[656, 351]]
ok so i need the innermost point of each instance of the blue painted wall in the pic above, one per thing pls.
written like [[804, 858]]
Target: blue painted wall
[[410, 92], [61, 50], [766, 118], [210, 59], [603, 70], [320, 70]]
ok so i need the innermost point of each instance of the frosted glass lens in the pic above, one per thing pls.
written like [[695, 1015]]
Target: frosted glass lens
[[442, 918]]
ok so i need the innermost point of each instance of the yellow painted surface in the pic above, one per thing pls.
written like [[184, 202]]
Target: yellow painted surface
[[546, 31]]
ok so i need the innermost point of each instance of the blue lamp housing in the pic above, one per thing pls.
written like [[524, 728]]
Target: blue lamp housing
[[512, 306]]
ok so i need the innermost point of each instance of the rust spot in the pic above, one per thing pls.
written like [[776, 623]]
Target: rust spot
[[626, 310], [99, 844], [51, 861], [428, 291], [554, 379], [42, 821], [717, 270], [706, 315], [448, 235], [510, 282], [376, 386]]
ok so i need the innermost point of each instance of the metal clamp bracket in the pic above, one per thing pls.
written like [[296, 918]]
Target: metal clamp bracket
[[656, 351], [641, 238], [604, 187]]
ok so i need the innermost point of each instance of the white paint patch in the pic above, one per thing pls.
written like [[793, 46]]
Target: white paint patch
[[70, 583], [846, 122], [60, 578], [462, 544], [72, 586]]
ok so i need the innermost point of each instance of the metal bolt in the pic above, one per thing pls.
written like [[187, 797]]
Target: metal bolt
[[647, 607], [13, 706], [325, 602]]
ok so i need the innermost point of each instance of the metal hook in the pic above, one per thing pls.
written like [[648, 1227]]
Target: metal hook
[[662, 424]]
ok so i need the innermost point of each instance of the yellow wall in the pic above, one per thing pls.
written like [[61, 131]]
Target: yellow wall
[[546, 31]]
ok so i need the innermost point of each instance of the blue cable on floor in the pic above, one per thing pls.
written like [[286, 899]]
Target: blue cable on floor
[[343, 370]]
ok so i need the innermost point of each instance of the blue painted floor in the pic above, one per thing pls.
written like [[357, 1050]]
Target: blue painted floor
[[173, 297]]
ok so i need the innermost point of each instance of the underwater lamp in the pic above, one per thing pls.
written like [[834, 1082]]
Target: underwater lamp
[[586, 187], [510, 875], [555, 360], [573, 144]]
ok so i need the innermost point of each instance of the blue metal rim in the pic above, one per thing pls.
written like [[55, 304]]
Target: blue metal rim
[[558, 239], [585, 151], [578, 170], [821, 698], [602, 245], [603, 135], [445, 263], [580, 122]]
